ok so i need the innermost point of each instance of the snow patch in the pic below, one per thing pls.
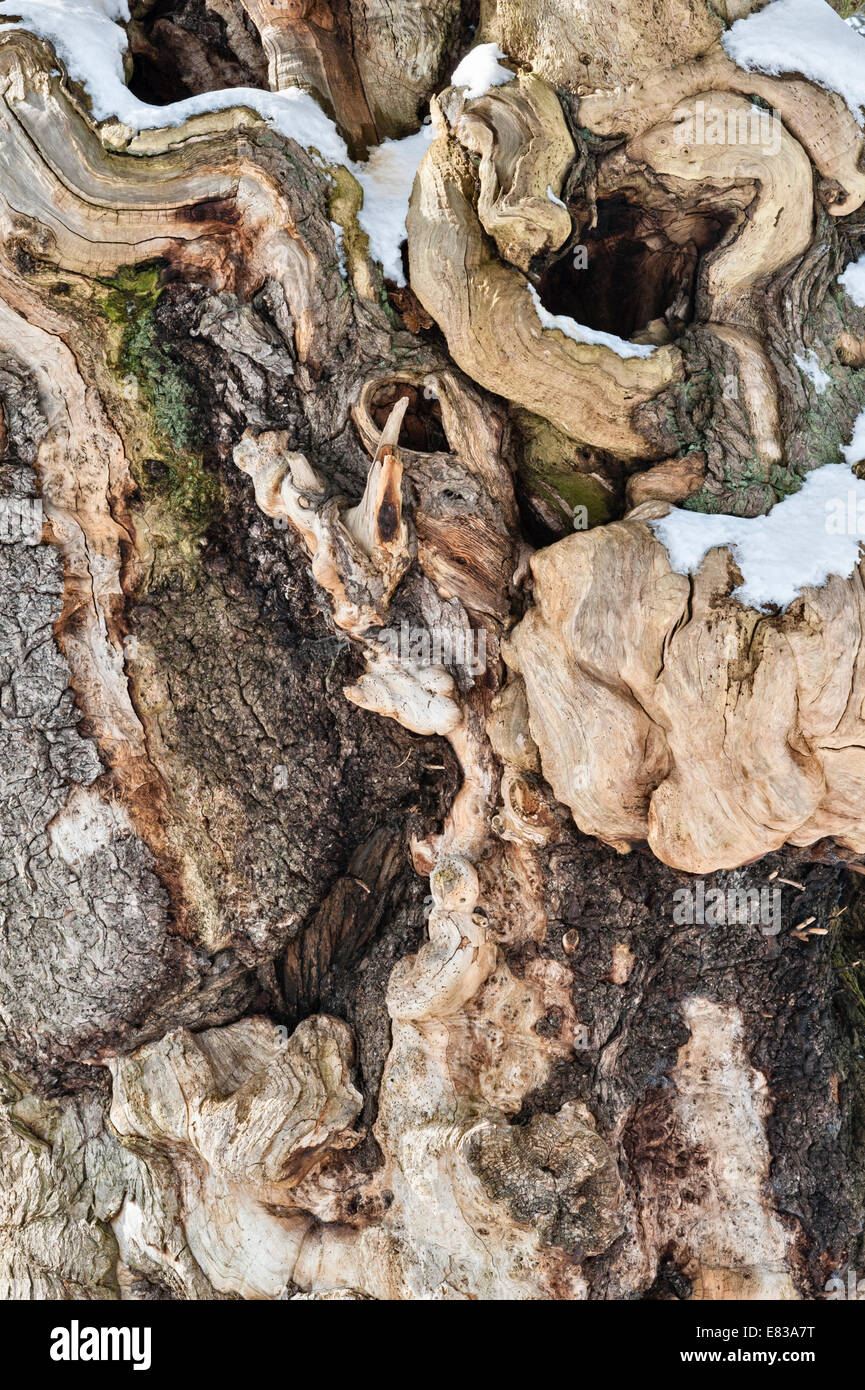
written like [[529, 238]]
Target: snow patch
[[810, 367], [480, 69], [86, 37], [91, 43], [803, 540], [853, 281], [340, 249], [580, 334], [807, 37], [387, 178], [854, 452]]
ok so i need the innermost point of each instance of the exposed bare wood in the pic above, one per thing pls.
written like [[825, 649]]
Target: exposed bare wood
[[819, 120], [493, 329], [572, 42], [683, 676]]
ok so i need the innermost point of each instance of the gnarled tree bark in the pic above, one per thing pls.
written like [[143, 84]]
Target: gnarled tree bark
[[351, 797]]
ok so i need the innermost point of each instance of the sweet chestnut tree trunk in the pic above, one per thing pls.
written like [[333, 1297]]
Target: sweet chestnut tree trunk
[[412, 886]]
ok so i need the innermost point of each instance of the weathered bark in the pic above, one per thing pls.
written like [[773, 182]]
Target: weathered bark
[[331, 967]]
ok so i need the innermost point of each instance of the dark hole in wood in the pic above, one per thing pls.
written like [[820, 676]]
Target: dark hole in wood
[[641, 266], [422, 429], [181, 48], [387, 521]]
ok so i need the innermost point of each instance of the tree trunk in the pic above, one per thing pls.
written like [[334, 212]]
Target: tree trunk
[[413, 886]]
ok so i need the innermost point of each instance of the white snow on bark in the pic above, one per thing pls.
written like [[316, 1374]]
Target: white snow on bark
[[853, 281], [854, 452], [807, 37], [579, 333], [91, 43], [809, 366], [481, 69], [387, 178], [801, 542]]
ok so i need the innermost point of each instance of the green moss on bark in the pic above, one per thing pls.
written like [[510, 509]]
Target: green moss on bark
[[561, 473], [171, 466]]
